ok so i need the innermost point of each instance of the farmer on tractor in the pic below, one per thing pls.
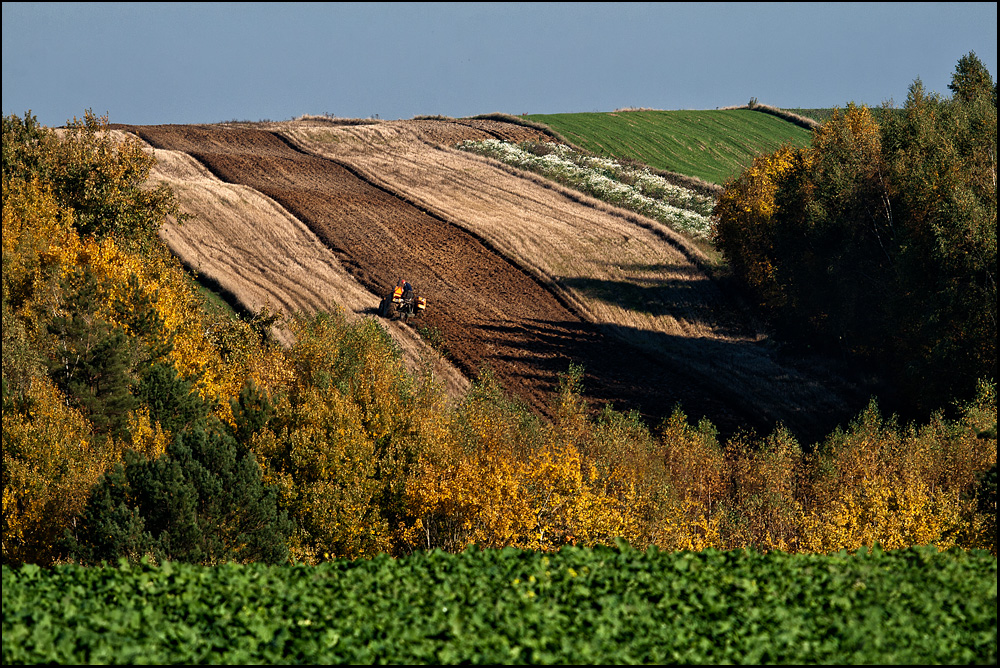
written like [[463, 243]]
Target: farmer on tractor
[[402, 301]]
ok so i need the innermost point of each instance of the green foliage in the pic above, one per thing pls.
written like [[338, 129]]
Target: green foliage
[[434, 338], [710, 145], [90, 360], [986, 494], [252, 410], [971, 79], [942, 164], [339, 443], [105, 372], [172, 401], [135, 419], [879, 242], [106, 352], [21, 359], [103, 179], [113, 525], [605, 605], [22, 140], [202, 502]]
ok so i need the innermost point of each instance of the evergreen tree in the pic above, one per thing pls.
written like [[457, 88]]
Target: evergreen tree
[[112, 524], [172, 400], [252, 410], [90, 359], [203, 501]]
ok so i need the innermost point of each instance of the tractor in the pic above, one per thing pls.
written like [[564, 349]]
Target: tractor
[[403, 302]]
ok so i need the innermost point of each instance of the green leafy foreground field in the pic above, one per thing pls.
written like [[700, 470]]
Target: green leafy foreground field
[[594, 606]]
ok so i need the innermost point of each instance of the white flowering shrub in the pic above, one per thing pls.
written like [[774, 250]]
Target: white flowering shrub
[[608, 180]]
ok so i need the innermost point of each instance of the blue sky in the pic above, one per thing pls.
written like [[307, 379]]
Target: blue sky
[[150, 63]]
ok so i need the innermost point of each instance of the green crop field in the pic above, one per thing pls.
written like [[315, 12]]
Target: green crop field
[[711, 145], [585, 606]]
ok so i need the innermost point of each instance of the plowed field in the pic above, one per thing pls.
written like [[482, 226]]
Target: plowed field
[[519, 275], [261, 256]]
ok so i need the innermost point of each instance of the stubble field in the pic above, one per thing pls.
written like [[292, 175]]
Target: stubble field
[[520, 274]]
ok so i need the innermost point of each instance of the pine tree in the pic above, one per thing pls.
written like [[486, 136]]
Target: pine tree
[[90, 361], [113, 526], [203, 501], [251, 411], [171, 399]]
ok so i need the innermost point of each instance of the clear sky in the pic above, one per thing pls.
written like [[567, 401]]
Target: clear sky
[[150, 63]]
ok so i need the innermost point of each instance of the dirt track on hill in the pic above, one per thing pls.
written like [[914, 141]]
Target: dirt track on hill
[[491, 307]]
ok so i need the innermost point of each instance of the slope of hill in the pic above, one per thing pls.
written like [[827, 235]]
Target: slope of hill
[[712, 145], [522, 275], [262, 256]]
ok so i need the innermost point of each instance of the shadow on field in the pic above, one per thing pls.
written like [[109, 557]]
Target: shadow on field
[[736, 385], [646, 295], [683, 298]]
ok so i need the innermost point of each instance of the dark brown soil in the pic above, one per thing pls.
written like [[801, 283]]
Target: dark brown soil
[[488, 311]]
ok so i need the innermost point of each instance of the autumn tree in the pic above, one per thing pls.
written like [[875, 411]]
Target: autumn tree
[[104, 179], [971, 79], [747, 225], [50, 463], [339, 440], [143, 424], [878, 242], [106, 345]]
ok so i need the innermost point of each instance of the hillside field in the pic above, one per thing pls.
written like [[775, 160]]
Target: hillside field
[[691, 387], [712, 145], [521, 275]]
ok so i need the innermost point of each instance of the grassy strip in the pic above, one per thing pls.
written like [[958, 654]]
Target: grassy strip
[[803, 121], [711, 145], [593, 606]]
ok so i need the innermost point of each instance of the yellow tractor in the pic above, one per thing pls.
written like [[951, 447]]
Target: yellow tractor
[[403, 302]]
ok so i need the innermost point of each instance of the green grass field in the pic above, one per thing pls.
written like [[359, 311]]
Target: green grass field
[[712, 145]]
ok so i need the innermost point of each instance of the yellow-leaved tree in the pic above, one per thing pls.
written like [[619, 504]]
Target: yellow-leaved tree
[[501, 476], [745, 227], [344, 433], [92, 301], [878, 482]]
